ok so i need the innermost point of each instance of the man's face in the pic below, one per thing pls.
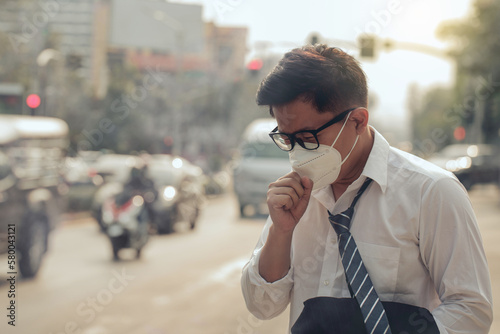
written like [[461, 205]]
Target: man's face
[[299, 115]]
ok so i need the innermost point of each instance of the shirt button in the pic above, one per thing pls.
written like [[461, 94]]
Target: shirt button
[[326, 282]]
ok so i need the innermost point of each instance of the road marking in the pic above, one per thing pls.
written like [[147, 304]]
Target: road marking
[[162, 300], [95, 330], [224, 272], [227, 272]]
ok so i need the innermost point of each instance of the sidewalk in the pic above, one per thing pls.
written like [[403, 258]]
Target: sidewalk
[[486, 203]]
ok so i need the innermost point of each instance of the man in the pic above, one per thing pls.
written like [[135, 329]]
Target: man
[[139, 183], [414, 226]]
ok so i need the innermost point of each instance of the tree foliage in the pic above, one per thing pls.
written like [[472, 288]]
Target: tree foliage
[[430, 126], [475, 45]]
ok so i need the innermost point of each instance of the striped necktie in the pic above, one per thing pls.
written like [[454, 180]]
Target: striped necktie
[[359, 282]]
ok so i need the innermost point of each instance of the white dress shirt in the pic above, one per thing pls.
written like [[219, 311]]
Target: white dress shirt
[[417, 235]]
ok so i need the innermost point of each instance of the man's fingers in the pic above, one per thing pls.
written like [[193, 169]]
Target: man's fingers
[[308, 184], [287, 199], [281, 201], [281, 192], [293, 175], [304, 200], [292, 182]]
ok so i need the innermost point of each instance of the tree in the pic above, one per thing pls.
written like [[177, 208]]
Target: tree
[[431, 129], [475, 46]]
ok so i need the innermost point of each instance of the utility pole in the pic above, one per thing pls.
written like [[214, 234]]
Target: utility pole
[[370, 45]]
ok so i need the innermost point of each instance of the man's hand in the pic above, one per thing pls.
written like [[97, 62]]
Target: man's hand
[[287, 199]]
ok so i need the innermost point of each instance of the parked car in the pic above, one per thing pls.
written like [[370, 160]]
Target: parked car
[[79, 169], [258, 163], [32, 188], [472, 164]]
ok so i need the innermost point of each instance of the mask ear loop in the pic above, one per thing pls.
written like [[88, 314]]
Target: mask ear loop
[[352, 148], [341, 129]]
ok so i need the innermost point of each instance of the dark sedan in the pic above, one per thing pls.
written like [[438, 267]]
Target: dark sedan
[[472, 164]]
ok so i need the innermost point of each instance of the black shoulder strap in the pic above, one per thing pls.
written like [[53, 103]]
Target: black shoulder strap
[[360, 192]]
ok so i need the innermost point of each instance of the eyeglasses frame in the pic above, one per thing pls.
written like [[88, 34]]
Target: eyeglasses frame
[[293, 139]]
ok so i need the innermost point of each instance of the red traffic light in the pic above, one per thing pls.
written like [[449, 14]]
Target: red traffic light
[[255, 65], [33, 101], [459, 133]]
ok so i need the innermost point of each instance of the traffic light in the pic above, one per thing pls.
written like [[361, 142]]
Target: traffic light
[[367, 47], [33, 101], [314, 39], [254, 66], [459, 133]]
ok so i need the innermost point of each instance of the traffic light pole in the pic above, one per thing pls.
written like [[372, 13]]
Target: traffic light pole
[[390, 45], [370, 45]]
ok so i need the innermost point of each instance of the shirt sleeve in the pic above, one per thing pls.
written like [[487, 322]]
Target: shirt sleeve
[[451, 248], [263, 299]]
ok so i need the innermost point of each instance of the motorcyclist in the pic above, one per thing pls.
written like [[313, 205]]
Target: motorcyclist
[[139, 183], [139, 180]]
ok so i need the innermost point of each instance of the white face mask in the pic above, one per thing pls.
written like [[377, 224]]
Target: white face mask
[[322, 165]]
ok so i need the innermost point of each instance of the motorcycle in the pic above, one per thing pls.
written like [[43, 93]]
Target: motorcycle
[[126, 222]]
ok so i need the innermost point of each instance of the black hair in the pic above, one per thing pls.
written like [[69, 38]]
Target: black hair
[[328, 77]]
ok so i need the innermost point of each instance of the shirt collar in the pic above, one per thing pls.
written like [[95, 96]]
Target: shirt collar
[[375, 168], [376, 165]]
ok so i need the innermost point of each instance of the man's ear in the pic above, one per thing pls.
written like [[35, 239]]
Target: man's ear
[[360, 117]]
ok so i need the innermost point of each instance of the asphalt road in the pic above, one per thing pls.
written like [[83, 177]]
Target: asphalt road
[[187, 282]]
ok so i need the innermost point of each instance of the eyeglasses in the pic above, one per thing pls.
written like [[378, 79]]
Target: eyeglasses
[[308, 139]]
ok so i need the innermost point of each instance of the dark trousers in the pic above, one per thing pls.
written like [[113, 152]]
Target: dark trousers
[[343, 316]]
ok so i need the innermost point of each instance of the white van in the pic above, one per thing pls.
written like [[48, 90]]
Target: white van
[[32, 190], [259, 163]]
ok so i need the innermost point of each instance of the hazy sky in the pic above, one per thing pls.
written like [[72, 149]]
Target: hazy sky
[[290, 22]]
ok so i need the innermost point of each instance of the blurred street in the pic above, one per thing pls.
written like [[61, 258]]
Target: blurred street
[[186, 282], [143, 113]]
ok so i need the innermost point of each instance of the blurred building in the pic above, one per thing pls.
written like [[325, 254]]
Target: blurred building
[[42, 42], [34, 25], [173, 37], [159, 35], [73, 27], [99, 76], [92, 35], [163, 27], [226, 47]]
